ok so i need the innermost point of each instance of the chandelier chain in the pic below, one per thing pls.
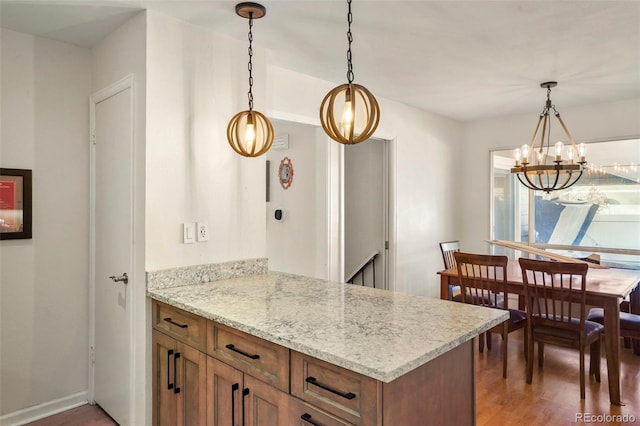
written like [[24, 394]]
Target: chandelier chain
[[250, 65], [350, 39]]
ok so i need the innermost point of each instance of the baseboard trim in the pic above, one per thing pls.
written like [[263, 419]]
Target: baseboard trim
[[46, 409]]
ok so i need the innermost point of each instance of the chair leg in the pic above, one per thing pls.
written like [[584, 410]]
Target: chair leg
[[530, 361], [636, 346], [481, 342], [582, 384], [488, 340], [594, 360], [627, 342], [526, 343], [540, 354], [505, 341]]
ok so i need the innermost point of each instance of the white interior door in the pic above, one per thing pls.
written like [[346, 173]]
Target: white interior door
[[112, 174]]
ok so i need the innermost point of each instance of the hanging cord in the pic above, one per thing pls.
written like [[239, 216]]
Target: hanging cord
[[250, 66], [350, 38], [545, 112]]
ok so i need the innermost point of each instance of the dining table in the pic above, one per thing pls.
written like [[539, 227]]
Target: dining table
[[605, 288]]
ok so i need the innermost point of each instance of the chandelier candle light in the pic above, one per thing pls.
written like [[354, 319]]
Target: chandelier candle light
[[249, 132], [360, 107], [549, 172]]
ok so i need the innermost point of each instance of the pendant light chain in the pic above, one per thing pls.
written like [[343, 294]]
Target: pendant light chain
[[350, 39], [250, 66]]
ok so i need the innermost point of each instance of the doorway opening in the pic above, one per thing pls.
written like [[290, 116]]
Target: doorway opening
[[337, 210], [366, 213]]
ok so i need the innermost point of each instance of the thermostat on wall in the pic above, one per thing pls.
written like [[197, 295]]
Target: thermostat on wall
[[278, 214]]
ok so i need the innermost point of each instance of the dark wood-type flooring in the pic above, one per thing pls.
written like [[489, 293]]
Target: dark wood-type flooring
[[553, 399], [85, 415]]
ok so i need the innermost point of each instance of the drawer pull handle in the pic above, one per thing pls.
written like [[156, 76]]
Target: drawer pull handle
[[234, 388], [313, 381], [233, 348], [306, 417], [176, 389], [170, 321], [245, 392], [169, 384]]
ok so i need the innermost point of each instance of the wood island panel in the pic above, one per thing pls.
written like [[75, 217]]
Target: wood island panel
[[441, 392]]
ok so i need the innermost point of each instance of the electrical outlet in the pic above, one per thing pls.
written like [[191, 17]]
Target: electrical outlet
[[189, 233], [203, 231]]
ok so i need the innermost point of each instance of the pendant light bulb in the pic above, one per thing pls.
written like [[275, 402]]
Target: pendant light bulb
[[250, 137], [250, 133], [570, 153], [347, 117], [525, 154], [559, 149]]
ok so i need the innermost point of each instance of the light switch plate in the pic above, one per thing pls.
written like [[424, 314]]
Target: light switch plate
[[203, 231], [189, 233]]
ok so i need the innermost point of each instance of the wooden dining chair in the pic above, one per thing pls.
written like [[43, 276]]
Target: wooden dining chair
[[629, 326], [555, 295], [448, 248], [483, 282]]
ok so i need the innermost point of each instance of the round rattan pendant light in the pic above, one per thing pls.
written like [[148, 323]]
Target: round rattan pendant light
[[249, 132], [549, 171], [356, 107]]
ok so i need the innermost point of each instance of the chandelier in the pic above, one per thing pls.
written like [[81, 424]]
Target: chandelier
[[540, 170], [249, 132], [359, 108]]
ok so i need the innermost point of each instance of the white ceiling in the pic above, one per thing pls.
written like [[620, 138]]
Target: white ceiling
[[462, 59]]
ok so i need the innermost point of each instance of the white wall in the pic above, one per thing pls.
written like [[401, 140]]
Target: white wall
[[197, 81], [122, 53], [587, 123], [424, 149], [44, 313], [292, 243]]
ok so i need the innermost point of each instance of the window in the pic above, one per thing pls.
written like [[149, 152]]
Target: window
[[599, 215]]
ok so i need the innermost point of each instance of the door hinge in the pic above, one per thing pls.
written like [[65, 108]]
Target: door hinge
[[386, 245], [92, 355], [93, 137]]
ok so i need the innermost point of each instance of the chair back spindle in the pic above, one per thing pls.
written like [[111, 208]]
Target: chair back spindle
[[555, 292], [448, 248], [482, 278]]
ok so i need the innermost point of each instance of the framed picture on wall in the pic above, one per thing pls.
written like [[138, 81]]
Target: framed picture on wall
[[15, 204]]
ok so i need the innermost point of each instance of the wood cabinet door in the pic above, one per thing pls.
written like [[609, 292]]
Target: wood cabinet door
[[164, 398], [264, 404], [191, 384], [224, 394]]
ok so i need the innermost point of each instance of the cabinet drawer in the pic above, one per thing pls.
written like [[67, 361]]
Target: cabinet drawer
[[303, 414], [351, 396], [181, 325], [263, 360]]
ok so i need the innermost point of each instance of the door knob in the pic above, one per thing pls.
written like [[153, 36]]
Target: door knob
[[122, 278]]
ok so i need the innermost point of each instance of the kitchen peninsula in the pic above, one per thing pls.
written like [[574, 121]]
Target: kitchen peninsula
[[284, 349]]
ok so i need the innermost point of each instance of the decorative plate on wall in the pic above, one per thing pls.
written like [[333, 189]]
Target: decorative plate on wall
[[285, 172]]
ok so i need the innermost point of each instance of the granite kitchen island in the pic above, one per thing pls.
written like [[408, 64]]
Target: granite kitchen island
[[284, 349]]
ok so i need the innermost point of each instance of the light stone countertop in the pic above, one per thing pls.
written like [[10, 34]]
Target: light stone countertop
[[377, 333]]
